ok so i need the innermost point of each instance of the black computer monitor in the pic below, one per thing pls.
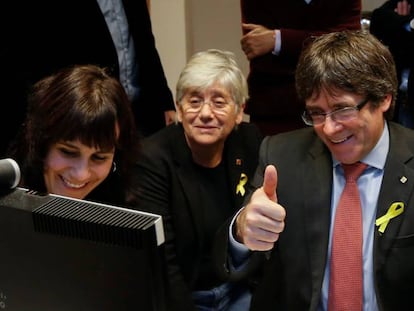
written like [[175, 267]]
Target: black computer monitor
[[63, 254]]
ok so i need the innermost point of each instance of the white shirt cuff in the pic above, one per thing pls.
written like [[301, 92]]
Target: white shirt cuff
[[238, 251], [278, 43]]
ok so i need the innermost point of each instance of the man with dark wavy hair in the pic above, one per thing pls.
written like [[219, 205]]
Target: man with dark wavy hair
[[289, 224]]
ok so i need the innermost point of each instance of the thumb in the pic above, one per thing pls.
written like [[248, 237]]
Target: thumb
[[270, 182], [248, 27]]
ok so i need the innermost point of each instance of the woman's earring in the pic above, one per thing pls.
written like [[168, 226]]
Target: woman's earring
[[113, 167]]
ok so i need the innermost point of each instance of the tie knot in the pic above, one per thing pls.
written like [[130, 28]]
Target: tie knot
[[353, 171]]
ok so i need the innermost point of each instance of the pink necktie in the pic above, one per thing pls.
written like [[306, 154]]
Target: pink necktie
[[345, 285]]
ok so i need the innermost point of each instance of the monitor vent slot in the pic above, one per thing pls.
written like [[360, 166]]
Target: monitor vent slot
[[95, 222]]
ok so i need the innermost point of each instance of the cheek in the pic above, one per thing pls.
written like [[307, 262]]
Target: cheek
[[103, 171], [189, 118], [55, 163], [52, 167], [229, 122], [187, 123], [229, 119], [319, 131]]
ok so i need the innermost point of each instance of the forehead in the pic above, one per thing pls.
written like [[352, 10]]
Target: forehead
[[215, 89], [332, 98], [84, 148]]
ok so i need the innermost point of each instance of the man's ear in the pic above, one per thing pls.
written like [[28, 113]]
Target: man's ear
[[386, 102]]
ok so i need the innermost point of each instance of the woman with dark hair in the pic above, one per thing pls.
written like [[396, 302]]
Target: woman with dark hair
[[79, 138]]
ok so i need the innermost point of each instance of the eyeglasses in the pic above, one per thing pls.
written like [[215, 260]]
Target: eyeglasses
[[340, 115], [217, 105]]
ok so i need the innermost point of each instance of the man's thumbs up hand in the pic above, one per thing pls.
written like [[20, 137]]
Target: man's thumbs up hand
[[259, 224], [270, 182]]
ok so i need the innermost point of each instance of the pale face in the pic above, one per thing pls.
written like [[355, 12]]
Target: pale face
[[352, 140], [210, 125], [73, 169]]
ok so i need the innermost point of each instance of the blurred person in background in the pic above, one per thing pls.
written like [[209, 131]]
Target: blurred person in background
[[41, 37], [274, 33], [393, 24]]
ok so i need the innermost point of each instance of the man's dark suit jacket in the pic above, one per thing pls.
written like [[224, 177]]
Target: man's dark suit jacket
[[40, 37], [294, 273], [170, 187]]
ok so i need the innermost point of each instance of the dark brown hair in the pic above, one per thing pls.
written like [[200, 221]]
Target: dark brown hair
[[352, 61], [77, 103]]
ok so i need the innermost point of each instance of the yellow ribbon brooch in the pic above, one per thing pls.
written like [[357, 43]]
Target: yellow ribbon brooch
[[395, 209], [240, 186]]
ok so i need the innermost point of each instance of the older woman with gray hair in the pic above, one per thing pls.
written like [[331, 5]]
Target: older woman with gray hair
[[195, 174]]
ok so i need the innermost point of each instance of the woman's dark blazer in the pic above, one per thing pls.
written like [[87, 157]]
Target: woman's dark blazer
[[170, 187]]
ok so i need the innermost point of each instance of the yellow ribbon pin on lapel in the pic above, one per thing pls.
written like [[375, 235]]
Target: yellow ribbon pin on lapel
[[395, 209], [240, 186]]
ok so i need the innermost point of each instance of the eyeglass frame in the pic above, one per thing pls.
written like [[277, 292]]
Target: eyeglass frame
[[307, 117], [213, 106]]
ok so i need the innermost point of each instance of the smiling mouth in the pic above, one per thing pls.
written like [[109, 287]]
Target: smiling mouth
[[340, 140], [72, 185], [206, 127]]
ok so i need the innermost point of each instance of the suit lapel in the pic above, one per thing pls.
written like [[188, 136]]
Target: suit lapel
[[398, 185], [235, 166], [317, 182], [187, 176]]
